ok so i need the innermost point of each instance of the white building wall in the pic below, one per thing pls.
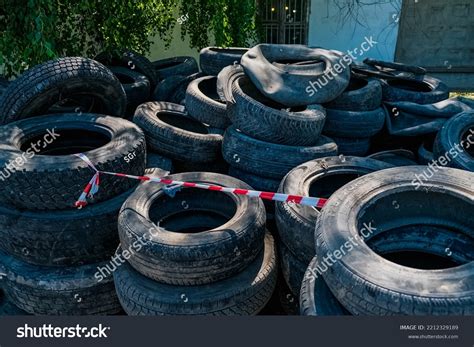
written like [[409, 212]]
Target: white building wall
[[329, 27]]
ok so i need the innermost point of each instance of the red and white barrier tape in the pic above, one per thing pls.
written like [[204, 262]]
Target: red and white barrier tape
[[93, 187]]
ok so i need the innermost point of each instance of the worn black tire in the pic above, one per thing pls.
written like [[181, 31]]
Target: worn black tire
[[135, 85], [315, 297], [226, 79], [381, 287], [168, 67], [155, 160], [425, 153], [268, 159], [358, 147], [361, 95], [72, 291], [318, 178], [7, 308], [292, 268], [171, 132], [354, 124], [418, 70], [427, 90], [294, 84], [203, 103], [225, 245], [131, 60], [265, 120], [245, 293], [260, 183], [396, 157], [216, 166], [214, 59], [52, 180], [173, 89], [288, 301], [458, 131], [167, 89], [85, 82], [62, 238]]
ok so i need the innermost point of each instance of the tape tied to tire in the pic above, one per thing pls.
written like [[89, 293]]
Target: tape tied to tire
[[172, 186]]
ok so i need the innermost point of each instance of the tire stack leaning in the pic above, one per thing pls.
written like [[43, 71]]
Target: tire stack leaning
[[354, 117], [50, 252], [194, 251], [365, 231]]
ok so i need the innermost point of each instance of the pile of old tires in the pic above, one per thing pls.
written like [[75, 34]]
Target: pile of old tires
[[197, 252], [250, 119], [49, 250]]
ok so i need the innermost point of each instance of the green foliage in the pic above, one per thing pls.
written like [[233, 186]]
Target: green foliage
[[33, 31], [231, 22]]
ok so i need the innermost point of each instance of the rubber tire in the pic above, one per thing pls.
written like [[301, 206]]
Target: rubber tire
[[361, 95], [392, 92], [155, 160], [293, 84], [358, 147], [7, 308], [225, 80], [266, 120], [47, 182], [451, 134], [131, 60], [418, 70], [354, 124], [292, 268], [425, 156], [214, 59], [315, 297], [69, 291], [296, 222], [217, 166], [260, 183], [246, 293], [317, 300], [182, 65], [288, 302], [397, 157], [268, 159], [203, 103], [137, 92], [202, 257], [173, 89], [39, 88], [167, 89], [176, 142], [381, 287]]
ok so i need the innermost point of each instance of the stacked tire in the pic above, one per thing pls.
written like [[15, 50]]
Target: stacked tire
[[397, 250], [49, 251], [296, 223], [194, 252], [172, 134], [356, 116]]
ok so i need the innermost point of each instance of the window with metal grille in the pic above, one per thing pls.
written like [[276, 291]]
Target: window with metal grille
[[284, 21]]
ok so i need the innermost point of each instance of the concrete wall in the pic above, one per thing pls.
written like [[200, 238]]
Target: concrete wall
[[439, 36], [328, 27]]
